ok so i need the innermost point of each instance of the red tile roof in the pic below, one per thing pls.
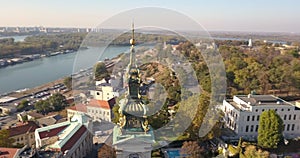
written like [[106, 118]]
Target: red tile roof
[[22, 129], [78, 107], [8, 152], [51, 132], [69, 144], [102, 103]]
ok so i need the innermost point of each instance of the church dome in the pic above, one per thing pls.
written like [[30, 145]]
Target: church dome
[[134, 107]]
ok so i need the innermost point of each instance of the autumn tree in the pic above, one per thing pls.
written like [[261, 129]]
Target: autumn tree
[[68, 82], [191, 149]]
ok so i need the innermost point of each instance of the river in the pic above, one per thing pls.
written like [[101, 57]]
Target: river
[[43, 70]]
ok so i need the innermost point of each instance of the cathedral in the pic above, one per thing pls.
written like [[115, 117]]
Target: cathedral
[[133, 137]]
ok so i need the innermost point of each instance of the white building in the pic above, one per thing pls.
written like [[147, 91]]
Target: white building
[[104, 92], [101, 109], [243, 111], [67, 139]]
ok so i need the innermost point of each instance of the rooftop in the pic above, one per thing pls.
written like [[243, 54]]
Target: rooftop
[[8, 152], [102, 103], [67, 133], [50, 120], [78, 107], [35, 115], [29, 127], [262, 100]]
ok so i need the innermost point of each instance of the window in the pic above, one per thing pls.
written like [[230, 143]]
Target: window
[[293, 127], [290, 117], [288, 127], [247, 128], [248, 118], [256, 128], [263, 110], [288, 109], [257, 118], [251, 129], [294, 117], [284, 118], [276, 110], [282, 109], [253, 118], [98, 93], [256, 110]]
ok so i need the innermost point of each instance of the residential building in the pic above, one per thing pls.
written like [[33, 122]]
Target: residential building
[[24, 134], [101, 109], [242, 115], [70, 139], [77, 109]]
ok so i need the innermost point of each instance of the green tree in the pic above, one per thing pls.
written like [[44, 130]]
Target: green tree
[[270, 129], [57, 102], [101, 71], [5, 141], [23, 104]]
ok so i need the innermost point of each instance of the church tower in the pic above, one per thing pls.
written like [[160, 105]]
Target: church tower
[[132, 136]]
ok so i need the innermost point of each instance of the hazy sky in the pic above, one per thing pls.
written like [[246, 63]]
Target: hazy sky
[[230, 15]]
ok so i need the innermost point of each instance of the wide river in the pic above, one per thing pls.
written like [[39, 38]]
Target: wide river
[[43, 70]]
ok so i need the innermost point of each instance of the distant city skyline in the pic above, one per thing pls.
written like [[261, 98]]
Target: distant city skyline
[[215, 15]]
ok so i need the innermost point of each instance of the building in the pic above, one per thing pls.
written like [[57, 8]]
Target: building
[[77, 109], [101, 109], [67, 139], [243, 111], [24, 134], [133, 136], [104, 91], [50, 120], [9, 152]]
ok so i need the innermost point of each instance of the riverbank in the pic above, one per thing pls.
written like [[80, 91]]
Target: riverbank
[[26, 58]]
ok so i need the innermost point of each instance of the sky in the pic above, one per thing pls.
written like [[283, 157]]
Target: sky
[[215, 15]]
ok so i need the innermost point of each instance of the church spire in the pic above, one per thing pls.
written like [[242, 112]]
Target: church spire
[[133, 72]]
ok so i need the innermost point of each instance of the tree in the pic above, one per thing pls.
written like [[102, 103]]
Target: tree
[[23, 104], [56, 102], [68, 82], [270, 129], [191, 149], [5, 141], [252, 152], [101, 71]]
